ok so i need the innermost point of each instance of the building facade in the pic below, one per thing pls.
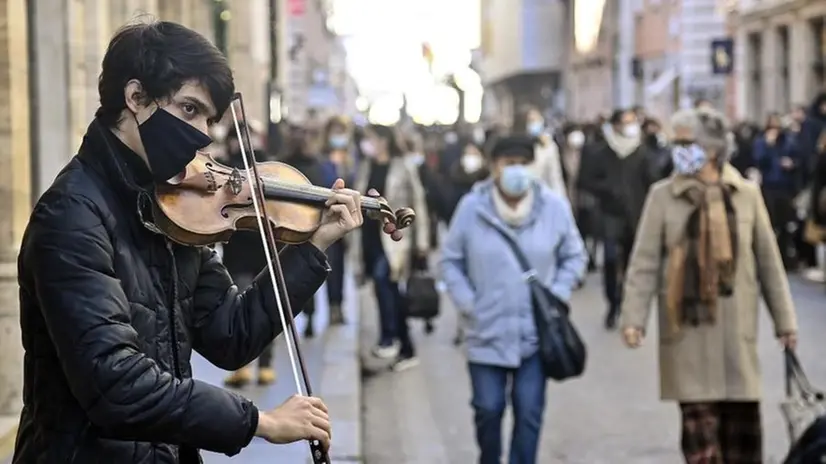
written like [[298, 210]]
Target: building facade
[[589, 79], [522, 56], [673, 65], [780, 55], [317, 83]]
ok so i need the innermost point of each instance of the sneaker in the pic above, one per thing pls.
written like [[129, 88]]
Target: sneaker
[[266, 376], [239, 378], [403, 363], [814, 275], [386, 351]]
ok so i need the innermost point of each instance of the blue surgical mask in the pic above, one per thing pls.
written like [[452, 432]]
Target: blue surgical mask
[[516, 180], [688, 160], [535, 128], [339, 141]]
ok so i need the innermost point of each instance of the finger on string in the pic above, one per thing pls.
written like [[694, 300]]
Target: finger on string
[[338, 184], [356, 199], [373, 193], [339, 198], [342, 212]]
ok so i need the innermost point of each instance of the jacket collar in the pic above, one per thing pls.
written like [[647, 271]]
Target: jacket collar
[[729, 176], [117, 165]]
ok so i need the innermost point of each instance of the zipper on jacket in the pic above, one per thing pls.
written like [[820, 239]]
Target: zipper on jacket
[[173, 309]]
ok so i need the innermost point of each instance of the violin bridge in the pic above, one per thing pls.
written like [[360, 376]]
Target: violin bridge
[[235, 182]]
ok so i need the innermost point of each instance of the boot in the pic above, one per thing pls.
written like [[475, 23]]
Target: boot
[[336, 315], [239, 378], [309, 332], [612, 317], [266, 376]]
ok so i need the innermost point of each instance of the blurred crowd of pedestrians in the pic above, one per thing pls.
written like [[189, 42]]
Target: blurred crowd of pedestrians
[[577, 197]]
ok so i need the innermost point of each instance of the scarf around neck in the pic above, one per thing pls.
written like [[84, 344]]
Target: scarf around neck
[[516, 216], [702, 265]]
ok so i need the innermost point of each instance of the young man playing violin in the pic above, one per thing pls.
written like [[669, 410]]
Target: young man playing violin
[[111, 309]]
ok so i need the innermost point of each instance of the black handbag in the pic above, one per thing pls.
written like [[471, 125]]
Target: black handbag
[[561, 349], [421, 296]]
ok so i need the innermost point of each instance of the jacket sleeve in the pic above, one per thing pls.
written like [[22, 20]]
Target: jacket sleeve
[[644, 266], [571, 257], [231, 326], [774, 284], [453, 260], [67, 257]]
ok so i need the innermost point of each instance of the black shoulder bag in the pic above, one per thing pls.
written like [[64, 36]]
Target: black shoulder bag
[[561, 349]]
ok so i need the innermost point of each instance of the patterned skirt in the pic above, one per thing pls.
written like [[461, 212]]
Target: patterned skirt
[[722, 433]]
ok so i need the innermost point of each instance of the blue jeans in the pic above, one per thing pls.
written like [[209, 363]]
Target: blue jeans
[[489, 385], [392, 308]]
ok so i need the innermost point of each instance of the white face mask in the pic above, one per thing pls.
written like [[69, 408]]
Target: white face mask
[[631, 131], [471, 162], [368, 148], [479, 136], [576, 139], [416, 159]]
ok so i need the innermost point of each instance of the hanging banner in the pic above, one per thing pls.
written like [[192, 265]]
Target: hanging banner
[[722, 56]]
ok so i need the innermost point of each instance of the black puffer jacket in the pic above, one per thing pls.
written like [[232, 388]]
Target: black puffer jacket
[[110, 314]]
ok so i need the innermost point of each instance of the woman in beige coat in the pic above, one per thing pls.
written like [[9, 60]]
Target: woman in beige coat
[[706, 249]]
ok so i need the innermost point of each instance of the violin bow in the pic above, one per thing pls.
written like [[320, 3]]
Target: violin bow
[[276, 272]]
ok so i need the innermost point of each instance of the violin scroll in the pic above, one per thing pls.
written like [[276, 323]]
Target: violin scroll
[[404, 218], [401, 218]]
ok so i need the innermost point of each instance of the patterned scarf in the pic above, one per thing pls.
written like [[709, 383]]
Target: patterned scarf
[[702, 265]]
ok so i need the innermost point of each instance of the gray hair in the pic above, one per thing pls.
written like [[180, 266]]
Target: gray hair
[[710, 130]]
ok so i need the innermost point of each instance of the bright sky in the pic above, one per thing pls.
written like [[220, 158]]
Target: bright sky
[[385, 39]]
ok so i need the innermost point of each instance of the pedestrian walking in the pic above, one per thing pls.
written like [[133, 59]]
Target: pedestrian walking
[[706, 248], [486, 282]]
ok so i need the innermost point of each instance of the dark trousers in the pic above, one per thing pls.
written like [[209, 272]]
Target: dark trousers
[[392, 308], [782, 215], [585, 222], [335, 281], [527, 395], [722, 433], [617, 253]]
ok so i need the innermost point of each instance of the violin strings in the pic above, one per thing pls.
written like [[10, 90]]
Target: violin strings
[[267, 253]]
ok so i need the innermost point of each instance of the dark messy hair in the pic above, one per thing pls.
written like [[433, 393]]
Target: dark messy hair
[[163, 56], [394, 145]]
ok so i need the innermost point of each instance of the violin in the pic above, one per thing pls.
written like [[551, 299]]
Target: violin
[[211, 201]]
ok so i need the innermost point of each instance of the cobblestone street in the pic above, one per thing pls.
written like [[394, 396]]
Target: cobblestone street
[[612, 414]]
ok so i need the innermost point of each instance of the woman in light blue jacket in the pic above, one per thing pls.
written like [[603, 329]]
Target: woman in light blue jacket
[[489, 290]]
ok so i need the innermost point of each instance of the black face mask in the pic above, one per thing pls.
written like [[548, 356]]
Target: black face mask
[[170, 144]]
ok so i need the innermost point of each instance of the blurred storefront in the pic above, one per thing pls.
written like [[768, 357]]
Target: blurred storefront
[[522, 56], [592, 44], [780, 55]]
